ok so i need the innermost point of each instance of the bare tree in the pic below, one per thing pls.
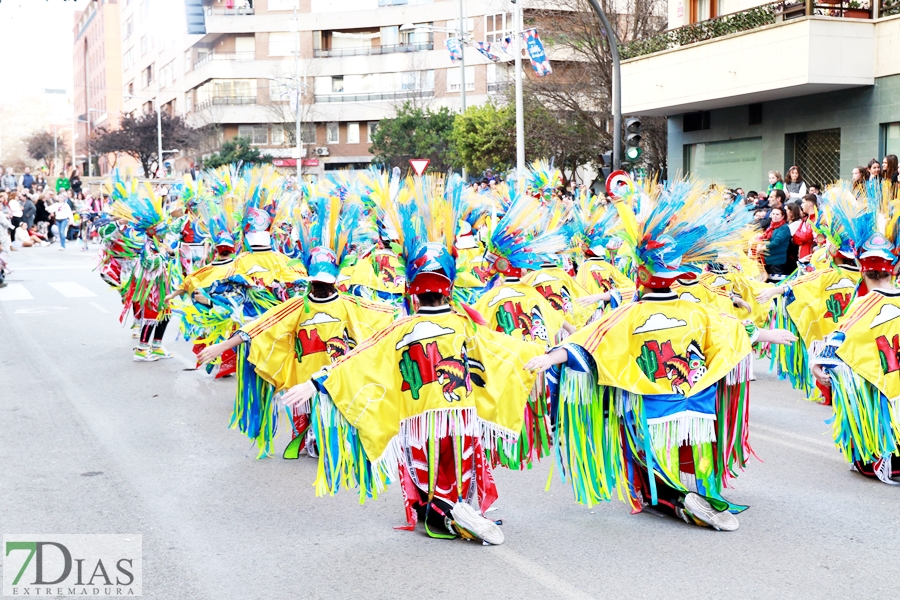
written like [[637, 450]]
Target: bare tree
[[578, 91]]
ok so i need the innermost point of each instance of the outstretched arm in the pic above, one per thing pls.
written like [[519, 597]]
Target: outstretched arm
[[216, 350], [539, 364], [776, 336], [770, 293]]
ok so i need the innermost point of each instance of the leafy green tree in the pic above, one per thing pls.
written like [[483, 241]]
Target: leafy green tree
[[485, 137], [237, 150], [415, 132]]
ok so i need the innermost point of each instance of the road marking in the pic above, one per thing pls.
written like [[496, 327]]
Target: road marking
[[54, 268], [833, 455], [70, 289], [15, 291], [102, 309], [40, 310], [560, 587]]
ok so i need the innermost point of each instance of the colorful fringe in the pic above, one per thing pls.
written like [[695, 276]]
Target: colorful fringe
[[255, 407], [866, 425], [733, 421], [791, 361], [534, 440]]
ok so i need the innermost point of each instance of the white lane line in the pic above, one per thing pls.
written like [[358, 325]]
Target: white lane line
[[559, 587], [15, 291], [54, 268], [102, 309], [70, 289], [833, 455], [821, 442]]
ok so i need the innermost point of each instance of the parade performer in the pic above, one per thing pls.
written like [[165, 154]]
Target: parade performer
[[812, 304], [860, 362], [294, 340], [148, 283], [654, 395], [433, 399]]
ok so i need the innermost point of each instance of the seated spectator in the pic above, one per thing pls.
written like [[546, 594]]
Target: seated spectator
[[24, 237]]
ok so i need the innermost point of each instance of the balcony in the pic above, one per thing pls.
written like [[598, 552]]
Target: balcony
[[236, 11], [741, 58], [225, 101], [228, 56], [373, 97], [373, 50]]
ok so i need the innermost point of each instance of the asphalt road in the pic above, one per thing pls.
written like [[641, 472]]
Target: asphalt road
[[92, 442]]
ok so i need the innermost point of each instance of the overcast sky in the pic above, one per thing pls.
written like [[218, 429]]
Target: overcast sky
[[36, 41]]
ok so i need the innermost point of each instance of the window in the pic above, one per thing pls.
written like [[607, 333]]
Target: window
[[453, 25], [332, 133], [188, 62], [372, 127], [390, 36], [282, 43], [891, 134], [497, 27], [146, 44], [453, 79], [337, 85], [167, 74], [352, 133], [695, 121], [129, 89], [258, 134], [147, 75], [189, 101], [308, 133], [128, 58], [282, 4], [735, 163], [277, 135], [128, 28], [754, 114]]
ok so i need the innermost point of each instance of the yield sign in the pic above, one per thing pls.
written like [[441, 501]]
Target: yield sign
[[419, 164]]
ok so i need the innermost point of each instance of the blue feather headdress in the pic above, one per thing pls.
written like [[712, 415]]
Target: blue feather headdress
[[674, 232], [864, 226], [140, 206]]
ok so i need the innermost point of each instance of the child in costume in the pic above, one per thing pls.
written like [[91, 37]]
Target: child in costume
[[860, 362], [294, 340], [654, 395], [147, 285], [434, 395]]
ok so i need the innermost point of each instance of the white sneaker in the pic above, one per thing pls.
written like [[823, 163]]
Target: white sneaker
[[144, 355], [882, 468], [697, 507], [466, 517]]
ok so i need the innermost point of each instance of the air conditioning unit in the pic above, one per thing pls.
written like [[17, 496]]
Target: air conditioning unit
[[323, 151]]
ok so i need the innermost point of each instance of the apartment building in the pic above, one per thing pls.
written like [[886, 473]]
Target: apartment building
[[358, 60], [98, 76], [750, 87]]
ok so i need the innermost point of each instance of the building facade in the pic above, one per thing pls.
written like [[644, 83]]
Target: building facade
[[358, 61], [98, 78], [771, 86]]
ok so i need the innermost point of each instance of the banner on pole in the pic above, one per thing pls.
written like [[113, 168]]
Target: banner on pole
[[487, 49], [539, 61], [455, 49]]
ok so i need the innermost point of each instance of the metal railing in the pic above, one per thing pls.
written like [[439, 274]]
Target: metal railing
[[370, 50], [401, 2], [888, 8], [374, 97], [225, 101], [745, 20], [496, 86], [231, 56], [236, 11]]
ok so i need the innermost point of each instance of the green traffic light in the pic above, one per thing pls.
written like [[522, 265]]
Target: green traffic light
[[633, 153]]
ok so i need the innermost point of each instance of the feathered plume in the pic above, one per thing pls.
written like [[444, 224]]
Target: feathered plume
[[139, 206], [530, 234]]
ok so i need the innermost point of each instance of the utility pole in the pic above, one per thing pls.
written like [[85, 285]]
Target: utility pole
[[299, 91], [520, 103], [616, 85]]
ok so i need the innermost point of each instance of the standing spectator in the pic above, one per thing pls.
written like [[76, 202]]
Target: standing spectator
[[815, 190], [28, 211], [777, 238], [860, 174], [8, 181], [775, 182], [41, 214], [889, 168], [27, 179], [794, 185], [63, 215], [874, 170], [62, 182], [75, 182], [40, 182]]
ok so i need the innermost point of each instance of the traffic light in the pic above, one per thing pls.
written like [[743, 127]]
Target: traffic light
[[606, 164], [633, 139]]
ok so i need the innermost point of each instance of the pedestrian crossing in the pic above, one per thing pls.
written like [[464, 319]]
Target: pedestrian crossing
[[67, 289]]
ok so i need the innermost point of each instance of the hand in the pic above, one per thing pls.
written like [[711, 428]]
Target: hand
[[210, 352], [299, 394], [593, 299], [539, 364], [769, 293], [821, 376], [741, 303], [781, 337], [172, 296]]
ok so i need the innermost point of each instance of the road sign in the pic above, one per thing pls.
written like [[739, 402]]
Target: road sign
[[419, 164]]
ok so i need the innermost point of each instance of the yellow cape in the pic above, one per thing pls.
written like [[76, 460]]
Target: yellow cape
[[871, 346], [518, 309], [820, 299]]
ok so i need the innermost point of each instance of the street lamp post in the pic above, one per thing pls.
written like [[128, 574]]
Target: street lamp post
[[616, 84], [155, 101], [87, 119], [520, 103]]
